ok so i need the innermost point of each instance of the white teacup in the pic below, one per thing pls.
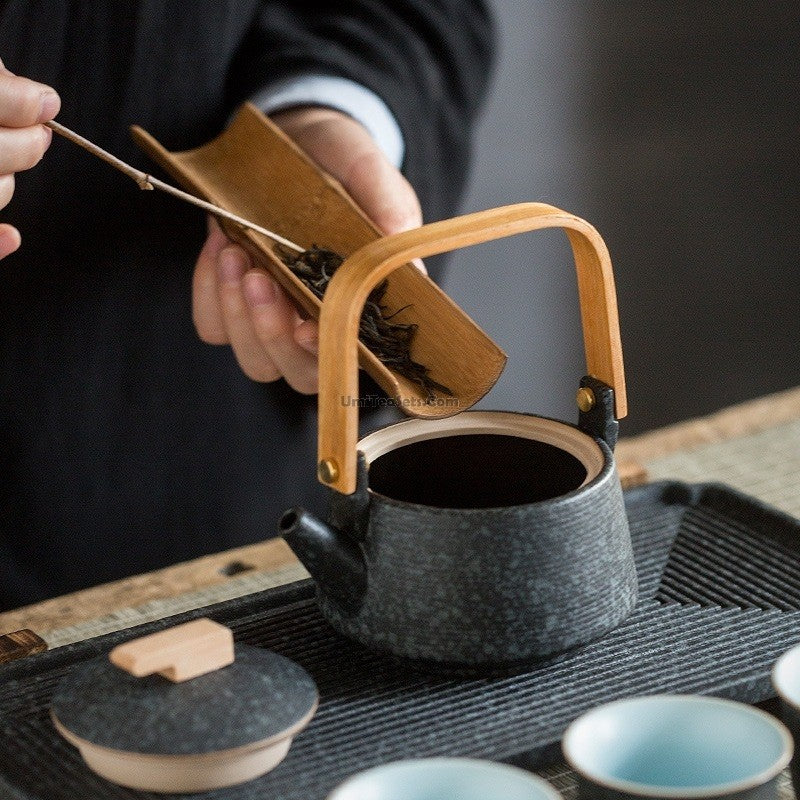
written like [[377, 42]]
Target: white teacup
[[786, 680], [445, 779], [677, 746]]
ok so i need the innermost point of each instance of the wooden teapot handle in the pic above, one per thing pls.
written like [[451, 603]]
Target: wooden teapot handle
[[347, 293]]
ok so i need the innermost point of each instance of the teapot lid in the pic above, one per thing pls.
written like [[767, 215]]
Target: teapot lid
[[260, 697]]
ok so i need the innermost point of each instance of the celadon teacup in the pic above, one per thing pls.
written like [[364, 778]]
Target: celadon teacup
[[677, 746], [445, 779]]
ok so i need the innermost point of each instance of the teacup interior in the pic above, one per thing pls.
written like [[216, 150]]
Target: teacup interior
[[480, 460], [444, 779], [678, 743]]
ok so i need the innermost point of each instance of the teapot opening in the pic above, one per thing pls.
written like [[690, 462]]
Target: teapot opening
[[480, 460]]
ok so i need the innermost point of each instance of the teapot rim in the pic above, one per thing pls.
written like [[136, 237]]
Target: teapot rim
[[563, 435], [593, 453]]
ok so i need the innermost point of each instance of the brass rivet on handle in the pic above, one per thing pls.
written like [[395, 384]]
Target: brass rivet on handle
[[585, 399], [328, 470]]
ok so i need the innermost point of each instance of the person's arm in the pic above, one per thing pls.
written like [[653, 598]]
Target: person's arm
[[24, 105], [429, 62]]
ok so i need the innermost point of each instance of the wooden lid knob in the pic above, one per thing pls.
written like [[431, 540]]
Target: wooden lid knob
[[178, 654]]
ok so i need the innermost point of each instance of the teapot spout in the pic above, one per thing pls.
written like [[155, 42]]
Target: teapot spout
[[335, 561]]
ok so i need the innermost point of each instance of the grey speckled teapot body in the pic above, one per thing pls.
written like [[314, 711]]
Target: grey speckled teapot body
[[484, 539]]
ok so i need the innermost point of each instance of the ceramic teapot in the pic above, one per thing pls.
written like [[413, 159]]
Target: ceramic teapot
[[488, 537]]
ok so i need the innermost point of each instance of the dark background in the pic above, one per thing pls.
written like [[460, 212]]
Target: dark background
[[673, 128]]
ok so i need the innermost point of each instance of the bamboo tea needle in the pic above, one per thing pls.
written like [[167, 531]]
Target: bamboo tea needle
[[145, 181]]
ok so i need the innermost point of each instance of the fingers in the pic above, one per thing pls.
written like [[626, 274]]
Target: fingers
[[9, 240], [260, 320], [306, 334], [22, 148], [6, 189], [9, 235], [251, 355], [275, 321], [206, 311], [24, 103], [237, 305], [23, 141]]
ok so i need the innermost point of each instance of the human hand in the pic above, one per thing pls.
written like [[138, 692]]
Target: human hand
[[234, 303], [24, 105]]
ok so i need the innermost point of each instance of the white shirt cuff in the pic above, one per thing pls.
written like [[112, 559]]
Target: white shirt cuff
[[347, 96]]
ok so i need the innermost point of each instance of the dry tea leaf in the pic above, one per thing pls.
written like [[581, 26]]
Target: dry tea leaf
[[389, 341]]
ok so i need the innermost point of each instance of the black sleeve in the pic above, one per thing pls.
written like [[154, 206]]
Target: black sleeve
[[428, 59]]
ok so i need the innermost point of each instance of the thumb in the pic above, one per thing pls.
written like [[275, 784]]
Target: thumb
[[383, 192], [346, 150]]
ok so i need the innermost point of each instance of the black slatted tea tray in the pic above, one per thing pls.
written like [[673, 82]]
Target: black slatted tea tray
[[720, 600]]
